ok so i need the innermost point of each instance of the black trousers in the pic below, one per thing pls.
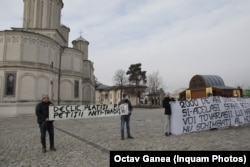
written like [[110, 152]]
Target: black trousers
[[47, 126]]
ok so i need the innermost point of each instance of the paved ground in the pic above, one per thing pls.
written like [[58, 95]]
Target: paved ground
[[87, 142]]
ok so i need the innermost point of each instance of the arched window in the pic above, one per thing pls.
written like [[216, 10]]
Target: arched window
[[10, 84]]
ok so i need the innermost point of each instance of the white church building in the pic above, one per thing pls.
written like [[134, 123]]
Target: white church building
[[36, 60]]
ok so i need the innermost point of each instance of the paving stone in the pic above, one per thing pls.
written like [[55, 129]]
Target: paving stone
[[87, 142]]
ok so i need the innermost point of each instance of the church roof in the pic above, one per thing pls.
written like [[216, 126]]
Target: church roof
[[80, 39], [100, 86]]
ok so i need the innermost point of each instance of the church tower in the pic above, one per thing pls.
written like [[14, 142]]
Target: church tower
[[35, 60], [42, 14], [44, 17], [82, 45]]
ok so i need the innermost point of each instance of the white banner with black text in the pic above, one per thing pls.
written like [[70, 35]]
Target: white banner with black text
[[209, 113], [86, 111]]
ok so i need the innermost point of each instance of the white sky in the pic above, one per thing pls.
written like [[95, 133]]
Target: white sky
[[177, 38]]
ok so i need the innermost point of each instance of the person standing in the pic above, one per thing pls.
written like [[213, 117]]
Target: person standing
[[42, 113], [125, 119], [166, 104]]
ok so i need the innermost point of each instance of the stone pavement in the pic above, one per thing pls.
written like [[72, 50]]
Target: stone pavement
[[87, 142]]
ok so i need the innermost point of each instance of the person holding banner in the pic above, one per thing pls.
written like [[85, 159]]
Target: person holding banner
[[42, 113], [166, 104], [125, 119]]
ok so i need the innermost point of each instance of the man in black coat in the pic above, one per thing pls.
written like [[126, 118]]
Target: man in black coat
[[166, 104], [42, 113]]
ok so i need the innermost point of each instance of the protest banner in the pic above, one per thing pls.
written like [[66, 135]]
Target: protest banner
[[208, 113], [86, 111]]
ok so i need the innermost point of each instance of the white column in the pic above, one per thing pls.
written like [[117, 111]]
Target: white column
[[45, 15], [25, 10], [36, 14]]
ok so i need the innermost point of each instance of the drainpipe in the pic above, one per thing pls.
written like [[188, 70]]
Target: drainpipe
[[59, 73]]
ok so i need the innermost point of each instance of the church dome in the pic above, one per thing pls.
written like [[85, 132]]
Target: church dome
[[80, 39]]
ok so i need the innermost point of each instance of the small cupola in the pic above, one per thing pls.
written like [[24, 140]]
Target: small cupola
[[82, 45]]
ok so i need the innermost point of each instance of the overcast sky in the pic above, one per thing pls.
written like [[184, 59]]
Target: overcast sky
[[177, 38]]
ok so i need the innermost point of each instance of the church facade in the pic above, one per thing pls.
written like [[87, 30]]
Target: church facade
[[36, 60]]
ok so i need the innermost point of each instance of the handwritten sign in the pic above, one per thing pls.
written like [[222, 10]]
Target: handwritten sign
[[207, 113], [86, 111]]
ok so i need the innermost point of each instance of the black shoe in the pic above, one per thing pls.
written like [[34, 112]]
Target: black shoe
[[169, 133], [130, 137], [166, 134], [52, 149]]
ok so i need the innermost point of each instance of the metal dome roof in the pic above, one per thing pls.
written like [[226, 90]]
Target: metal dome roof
[[213, 80], [206, 80]]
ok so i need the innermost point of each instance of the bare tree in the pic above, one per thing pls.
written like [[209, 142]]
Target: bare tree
[[120, 79], [155, 84]]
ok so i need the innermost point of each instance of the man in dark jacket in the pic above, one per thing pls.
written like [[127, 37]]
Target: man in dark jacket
[[126, 118], [42, 113], [166, 104]]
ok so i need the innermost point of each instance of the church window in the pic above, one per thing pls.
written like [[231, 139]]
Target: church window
[[76, 89], [10, 84]]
